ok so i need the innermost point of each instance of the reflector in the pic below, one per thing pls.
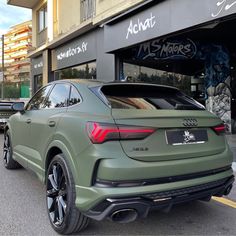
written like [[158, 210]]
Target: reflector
[[219, 129]]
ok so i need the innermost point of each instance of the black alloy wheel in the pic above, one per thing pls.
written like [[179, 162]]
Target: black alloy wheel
[[64, 217], [57, 194], [6, 150], [9, 163]]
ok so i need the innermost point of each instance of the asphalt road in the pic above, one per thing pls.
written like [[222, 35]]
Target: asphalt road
[[23, 212]]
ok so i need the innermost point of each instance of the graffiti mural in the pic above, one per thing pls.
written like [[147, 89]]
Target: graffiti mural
[[217, 68], [217, 81]]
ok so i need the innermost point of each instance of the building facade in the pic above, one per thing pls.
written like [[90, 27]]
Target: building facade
[[17, 44], [187, 44]]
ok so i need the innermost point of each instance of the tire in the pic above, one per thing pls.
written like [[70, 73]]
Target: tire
[[9, 162], [64, 217]]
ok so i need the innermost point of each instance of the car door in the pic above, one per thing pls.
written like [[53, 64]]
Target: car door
[[44, 123], [20, 125]]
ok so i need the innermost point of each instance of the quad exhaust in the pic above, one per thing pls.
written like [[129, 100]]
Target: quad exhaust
[[124, 216], [125, 210], [225, 191], [228, 189]]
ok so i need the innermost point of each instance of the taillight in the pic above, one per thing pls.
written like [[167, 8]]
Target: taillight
[[102, 132], [219, 129]]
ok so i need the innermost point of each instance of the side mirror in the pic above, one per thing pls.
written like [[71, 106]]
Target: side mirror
[[18, 106]]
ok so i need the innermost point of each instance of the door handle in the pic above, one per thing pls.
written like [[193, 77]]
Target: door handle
[[28, 121], [51, 123]]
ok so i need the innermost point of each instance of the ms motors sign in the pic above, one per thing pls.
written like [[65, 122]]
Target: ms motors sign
[[162, 19]]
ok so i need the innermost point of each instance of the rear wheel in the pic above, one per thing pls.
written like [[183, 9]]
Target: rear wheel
[[64, 217], [9, 162]]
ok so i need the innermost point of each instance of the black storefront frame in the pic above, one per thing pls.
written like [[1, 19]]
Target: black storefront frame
[[162, 19], [84, 49], [36, 71]]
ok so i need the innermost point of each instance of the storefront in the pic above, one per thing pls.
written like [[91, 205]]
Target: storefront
[[83, 58], [183, 44], [37, 72], [187, 44]]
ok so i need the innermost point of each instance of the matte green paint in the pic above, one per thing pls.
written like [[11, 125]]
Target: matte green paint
[[115, 160], [89, 197]]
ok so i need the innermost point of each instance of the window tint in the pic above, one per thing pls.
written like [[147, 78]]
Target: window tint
[[58, 97], [148, 97], [74, 96], [38, 99]]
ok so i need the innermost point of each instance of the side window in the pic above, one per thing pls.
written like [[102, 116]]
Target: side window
[[37, 100], [74, 96], [58, 97]]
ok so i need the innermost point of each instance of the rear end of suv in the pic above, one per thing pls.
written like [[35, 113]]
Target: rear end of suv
[[5, 112], [162, 148], [117, 150]]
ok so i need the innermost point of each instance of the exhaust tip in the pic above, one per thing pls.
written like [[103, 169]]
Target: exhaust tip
[[228, 189], [206, 199], [124, 216]]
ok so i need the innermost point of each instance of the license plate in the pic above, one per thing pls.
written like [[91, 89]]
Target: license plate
[[182, 137]]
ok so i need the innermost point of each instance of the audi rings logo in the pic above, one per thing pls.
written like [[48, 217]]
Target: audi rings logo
[[190, 122]]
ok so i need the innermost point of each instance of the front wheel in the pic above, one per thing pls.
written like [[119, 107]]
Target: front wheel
[[64, 217]]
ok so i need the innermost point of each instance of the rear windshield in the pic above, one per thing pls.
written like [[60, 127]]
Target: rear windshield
[[148, 97]]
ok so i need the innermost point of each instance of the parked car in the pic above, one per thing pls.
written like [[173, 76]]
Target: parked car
[[117, 150], [5, 112]]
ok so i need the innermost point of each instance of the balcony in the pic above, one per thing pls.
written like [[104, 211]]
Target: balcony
[[42, 37], [88, 9], [23, 3]]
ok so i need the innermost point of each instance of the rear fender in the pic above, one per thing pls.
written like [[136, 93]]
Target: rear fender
[[67, 156]]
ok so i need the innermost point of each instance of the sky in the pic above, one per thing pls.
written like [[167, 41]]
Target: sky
[[10, 15]]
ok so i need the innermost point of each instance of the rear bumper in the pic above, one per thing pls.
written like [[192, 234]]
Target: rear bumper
[[87, 198], [143, 203], [118, 177]]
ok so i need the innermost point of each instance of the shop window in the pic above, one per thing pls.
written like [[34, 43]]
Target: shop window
[[198, 87], [85, 71], [233, 98], [38, 82], [136, 73]]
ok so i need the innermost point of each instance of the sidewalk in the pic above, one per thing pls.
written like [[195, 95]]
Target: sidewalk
[[232, 143], [231, 140]]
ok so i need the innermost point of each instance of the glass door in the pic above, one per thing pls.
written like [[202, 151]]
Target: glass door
[[233, 103]]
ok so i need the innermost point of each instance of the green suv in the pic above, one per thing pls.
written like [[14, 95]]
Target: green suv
[[117, 150]]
